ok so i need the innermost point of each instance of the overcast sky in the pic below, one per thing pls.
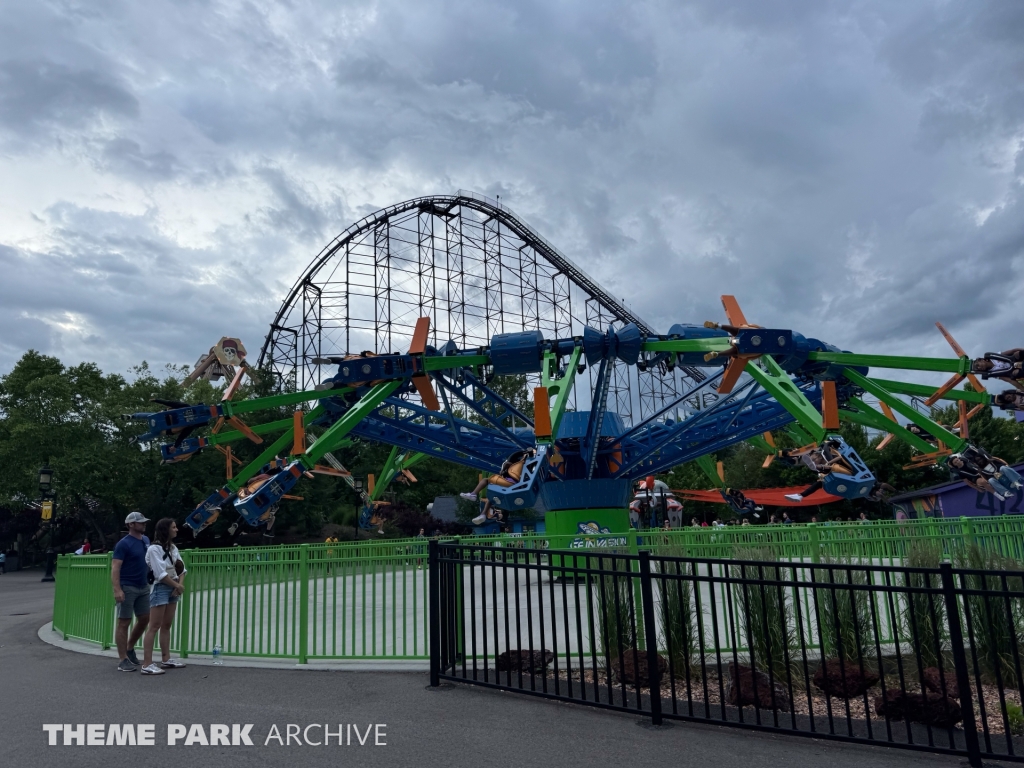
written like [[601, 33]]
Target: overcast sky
[[848, 169]]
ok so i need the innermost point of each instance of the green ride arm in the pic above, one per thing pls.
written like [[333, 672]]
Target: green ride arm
[[281, 444], [709, 469], [713, 344], [799, 435], [777, 383], [442, 362], [953, 442], [758, 441], [398, 460], [922, 390], [867, 416], [260, 429], [339, 429], [276, 401], [961, 365], [559, 388]]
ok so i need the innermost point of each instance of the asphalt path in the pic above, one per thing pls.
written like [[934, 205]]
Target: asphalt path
[[455, 726]]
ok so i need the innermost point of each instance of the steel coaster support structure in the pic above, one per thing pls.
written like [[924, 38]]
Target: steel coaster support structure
[[472, 266]]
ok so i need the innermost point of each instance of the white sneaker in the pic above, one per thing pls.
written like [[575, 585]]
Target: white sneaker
[[479, 520], [172, 664], [469, 496], [999, 496], [152, 669], [794, 497]]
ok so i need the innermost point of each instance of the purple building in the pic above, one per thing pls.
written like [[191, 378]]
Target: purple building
[[956, 499]]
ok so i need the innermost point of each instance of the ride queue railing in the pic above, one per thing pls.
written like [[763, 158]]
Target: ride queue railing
[[926, 659], [368, 599]]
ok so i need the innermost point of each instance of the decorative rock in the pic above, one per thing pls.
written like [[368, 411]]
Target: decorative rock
[[927, 709], [518, 660], [635, 672], [844, 680], [932, 680], [740, 689]]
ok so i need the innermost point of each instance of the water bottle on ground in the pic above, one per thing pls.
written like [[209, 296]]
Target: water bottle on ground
[[216, 654]]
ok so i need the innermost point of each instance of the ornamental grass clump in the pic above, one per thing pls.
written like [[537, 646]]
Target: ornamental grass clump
[[923, 618], [995, 618], [844, 613], [616, 608], [678, 619], [843, 607], [764, 611]]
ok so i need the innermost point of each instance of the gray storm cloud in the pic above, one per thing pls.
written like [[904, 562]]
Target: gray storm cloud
[[851, 170]]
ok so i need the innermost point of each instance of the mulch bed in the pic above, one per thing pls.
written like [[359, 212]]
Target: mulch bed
[[842, 710]]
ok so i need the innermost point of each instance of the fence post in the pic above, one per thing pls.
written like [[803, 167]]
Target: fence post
[[435, 613], [650, 633], [108, 639], [967, 531], [303, 603], [814, 541], [963, 677], [186, 611], [60, 595]]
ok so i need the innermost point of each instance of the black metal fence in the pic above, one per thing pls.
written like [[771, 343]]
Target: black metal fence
[[912, 657]]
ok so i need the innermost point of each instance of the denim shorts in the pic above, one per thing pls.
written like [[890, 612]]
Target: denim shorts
[[136, 601], [163, 595]]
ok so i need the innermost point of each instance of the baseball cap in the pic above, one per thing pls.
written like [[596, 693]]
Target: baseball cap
[[136, 517]]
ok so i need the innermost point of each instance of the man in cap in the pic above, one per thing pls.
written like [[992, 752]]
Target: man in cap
[[129, 573]]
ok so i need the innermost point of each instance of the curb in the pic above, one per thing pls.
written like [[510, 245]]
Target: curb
[[47, 635]]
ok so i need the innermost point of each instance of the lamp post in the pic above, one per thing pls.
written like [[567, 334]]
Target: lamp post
[[45, 484]]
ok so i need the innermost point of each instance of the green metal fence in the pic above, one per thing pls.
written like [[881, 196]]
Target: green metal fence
[[368, 599], [83, 601]]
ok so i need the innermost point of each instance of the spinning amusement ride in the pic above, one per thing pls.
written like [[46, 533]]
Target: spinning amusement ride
[[468, 293]]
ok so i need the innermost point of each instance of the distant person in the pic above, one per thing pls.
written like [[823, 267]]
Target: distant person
[[330, 550], [84, 549], [128, 575], [814, 518], [421, 535], [3, 562], [863, 518], [164, 561], [694, 523], [786, 519]]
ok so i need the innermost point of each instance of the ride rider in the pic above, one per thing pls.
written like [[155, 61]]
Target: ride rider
[[824, 460], [984, 472], [509, 474]]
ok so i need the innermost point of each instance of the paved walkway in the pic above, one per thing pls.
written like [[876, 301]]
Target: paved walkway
[[458, 726]]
